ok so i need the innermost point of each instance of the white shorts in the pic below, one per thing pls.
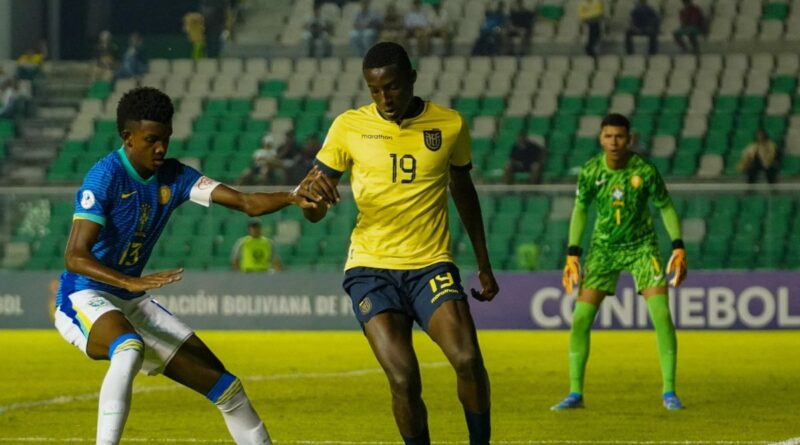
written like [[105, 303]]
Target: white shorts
[[162, 332]]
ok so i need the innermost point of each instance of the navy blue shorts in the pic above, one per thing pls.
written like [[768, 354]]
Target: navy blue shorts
[[416, 292]]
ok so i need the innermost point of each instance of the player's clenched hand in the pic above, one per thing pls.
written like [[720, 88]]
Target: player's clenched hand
[[323, 185], [677, 264], [572, 273], [154, 280], [489, 287]]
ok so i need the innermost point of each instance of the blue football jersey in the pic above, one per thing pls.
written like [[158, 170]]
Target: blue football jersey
[[133, 212]]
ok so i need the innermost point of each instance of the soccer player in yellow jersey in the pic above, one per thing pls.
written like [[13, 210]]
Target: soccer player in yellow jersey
[[403, 154]]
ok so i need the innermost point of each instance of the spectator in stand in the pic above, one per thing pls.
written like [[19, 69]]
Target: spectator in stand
[[417, 27], [10, 99], [366, 25], [304, 161], [317, 35], [693, 24], [440, 26], [29, 62], [288, 153], [526, 157], [213, 12], [591, 13], [762, 154], [133, 62], [492, 38], [105, 57], [194, 27], [521, 21], [644, 22], [393, 29], [255, 252], [266, 167]]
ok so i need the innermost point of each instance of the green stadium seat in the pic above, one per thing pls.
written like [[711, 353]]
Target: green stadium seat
[[230, 124], [752, 104], [783, 84], [215, 107], [7, 128], [272, 88], [628, 85], [316, 107], [596, 105], [726, 104], [775, 11], [550, 12], [669, 125], [565, 123], [570, 105], [289, 107], [257, 125], [648, 105], [675, 104], [684, 164], [512, 124], [240, 106], [539, 125], [493, 106]]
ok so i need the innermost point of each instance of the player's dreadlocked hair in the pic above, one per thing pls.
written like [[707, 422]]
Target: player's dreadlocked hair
[[144, 103], [387, 53], [616, 120]]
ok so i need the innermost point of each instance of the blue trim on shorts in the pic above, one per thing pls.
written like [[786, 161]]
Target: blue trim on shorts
[[124, 337], [225, 380], [66, 288]]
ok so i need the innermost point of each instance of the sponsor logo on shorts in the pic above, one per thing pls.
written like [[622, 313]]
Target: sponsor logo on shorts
[[445, 291], [97, 302], [365, 305]]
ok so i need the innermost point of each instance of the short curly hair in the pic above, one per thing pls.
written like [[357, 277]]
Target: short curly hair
[[385, 54], [144, 103]]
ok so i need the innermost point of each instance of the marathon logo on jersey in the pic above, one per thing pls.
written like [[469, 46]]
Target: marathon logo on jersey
[[382, 137], [432, 138]]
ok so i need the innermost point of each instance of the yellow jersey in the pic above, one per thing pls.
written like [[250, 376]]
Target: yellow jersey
[[399, 176]]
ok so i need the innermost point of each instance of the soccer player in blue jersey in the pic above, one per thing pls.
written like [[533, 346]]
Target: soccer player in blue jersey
[[102, 305], [403, 154]]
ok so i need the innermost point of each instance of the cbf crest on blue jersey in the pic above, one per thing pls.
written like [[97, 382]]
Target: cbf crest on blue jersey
[[432, 138]]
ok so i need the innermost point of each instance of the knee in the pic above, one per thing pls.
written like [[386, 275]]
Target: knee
[[468, 364], [404, 385]]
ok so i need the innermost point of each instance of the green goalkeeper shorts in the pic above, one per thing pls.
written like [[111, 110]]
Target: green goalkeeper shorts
[[603, 265]]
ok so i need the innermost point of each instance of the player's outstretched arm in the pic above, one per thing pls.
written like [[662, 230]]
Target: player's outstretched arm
[[469, 210], [258, 203], [572, 267], [677, 262], [320, 184], [79, 259]]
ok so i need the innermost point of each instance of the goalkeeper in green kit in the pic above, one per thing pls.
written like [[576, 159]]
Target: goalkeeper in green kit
[[621, 183]]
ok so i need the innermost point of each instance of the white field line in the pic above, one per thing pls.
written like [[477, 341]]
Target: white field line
[[61, 400], [344, 442]]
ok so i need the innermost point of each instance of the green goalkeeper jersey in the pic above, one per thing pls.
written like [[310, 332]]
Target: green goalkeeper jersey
[[621, 196]]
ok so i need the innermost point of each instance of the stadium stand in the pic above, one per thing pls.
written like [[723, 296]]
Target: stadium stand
[[693, 116]]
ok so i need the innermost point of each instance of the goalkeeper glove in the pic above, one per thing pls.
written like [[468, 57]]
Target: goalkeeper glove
[[572, 269], [677, 263]]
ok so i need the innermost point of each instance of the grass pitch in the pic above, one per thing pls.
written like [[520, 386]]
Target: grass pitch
[[325, 387]]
